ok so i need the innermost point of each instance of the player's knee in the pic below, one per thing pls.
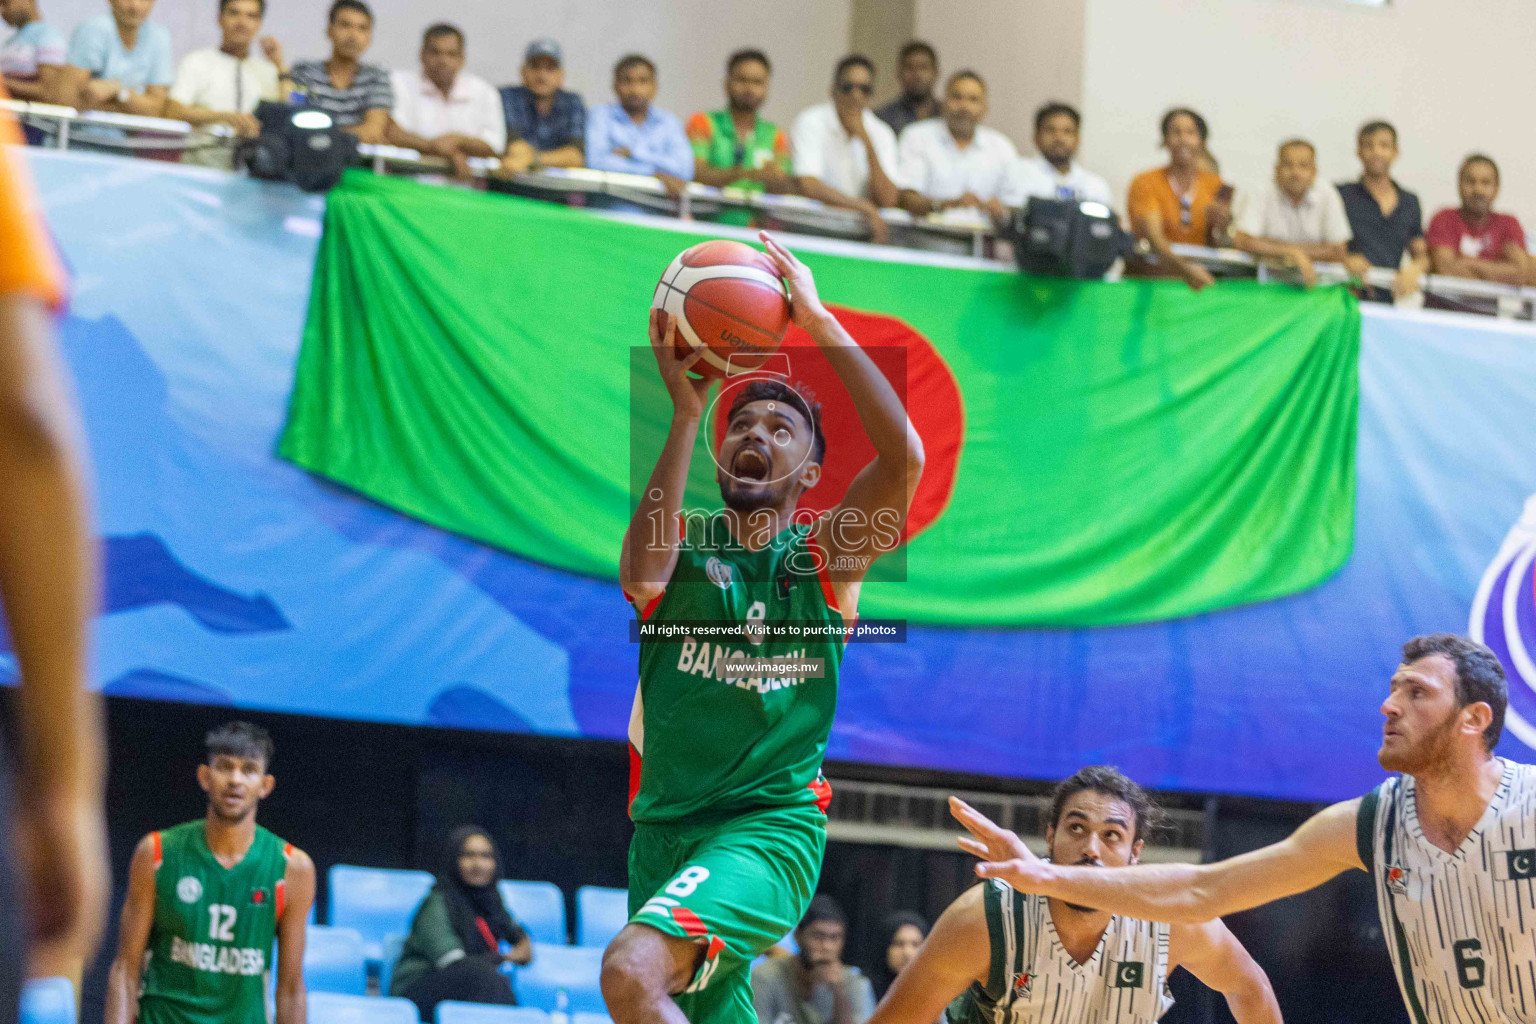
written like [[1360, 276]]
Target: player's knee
[[635, 969]]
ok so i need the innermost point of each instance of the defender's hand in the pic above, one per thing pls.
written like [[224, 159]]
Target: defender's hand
[[1003, 854], [804, 304], [687, 392]]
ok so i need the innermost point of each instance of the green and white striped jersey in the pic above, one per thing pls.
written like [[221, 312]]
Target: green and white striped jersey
[[1461, 927], [1034, 980]]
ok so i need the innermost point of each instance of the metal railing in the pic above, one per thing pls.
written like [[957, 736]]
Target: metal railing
[[962, 231], [889, 814]]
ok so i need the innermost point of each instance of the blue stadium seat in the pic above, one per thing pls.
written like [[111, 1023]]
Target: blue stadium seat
[[586, 1017], [389, 956], [539, 907], [375, 901], [561, 978], [600, 913], [48, 1001], [332, 1008], [451, 1012], [334, 962]]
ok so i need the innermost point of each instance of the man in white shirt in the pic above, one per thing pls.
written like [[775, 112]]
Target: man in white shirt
[[223, 84], [843, 154], [1296, 220], [442, 108], [954, 160], [1053, 174]]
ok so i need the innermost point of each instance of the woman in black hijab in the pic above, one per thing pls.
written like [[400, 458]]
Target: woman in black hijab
[[900, 935], [462, 932]]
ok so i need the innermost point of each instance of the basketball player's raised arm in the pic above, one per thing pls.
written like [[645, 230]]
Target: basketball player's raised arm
[[649, 553], [48, 589], [1212, 953], [122, 1005], [1177, 893], [882, 491], [956, 953], [299, 893]]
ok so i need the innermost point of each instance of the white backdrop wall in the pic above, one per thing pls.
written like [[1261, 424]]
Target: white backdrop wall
[[1453, 75], [688, 39]]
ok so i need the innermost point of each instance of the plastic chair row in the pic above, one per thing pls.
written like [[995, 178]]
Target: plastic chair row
[[379, 902]]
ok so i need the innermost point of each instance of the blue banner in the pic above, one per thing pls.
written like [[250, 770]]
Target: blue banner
[[235, 578]]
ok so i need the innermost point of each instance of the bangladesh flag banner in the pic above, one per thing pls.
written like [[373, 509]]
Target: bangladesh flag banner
[[1097, 453]]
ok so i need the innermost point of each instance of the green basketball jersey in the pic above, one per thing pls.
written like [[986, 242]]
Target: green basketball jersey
[[705, 745], [213, 930]]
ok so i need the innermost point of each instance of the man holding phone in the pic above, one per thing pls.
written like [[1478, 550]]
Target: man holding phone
[[814, 986]]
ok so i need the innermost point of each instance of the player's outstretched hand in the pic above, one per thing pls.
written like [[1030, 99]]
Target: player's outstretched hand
[[804, 304], [687, 392], [1003, 854]]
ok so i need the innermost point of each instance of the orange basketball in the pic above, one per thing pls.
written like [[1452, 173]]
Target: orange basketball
[[729, 300]]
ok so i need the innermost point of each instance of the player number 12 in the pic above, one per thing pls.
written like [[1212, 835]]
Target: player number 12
[[221, 923]]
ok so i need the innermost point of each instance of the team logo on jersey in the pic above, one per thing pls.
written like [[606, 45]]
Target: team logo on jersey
[[1129, 975], [189, 889], [1397, 880], [259, 897], [718, 572], [1022, 985], [1504, 618], [1522, 864]]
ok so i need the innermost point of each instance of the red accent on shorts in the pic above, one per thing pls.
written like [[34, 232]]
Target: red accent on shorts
[[823, 790], [634, 776], [695, 928], [716, 944], [279, 892], [486, 934], [154, 838]]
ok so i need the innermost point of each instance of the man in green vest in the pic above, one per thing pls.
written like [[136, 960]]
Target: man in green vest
[[735, 701], [207, 898], [735, 147]]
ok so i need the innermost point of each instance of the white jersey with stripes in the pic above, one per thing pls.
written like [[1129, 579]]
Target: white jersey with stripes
[[1460, 927]]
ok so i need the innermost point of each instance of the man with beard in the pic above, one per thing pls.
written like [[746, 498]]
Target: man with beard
[[1012, 957], [1055, 173], [1450, 845], [206, 899], [726, 790], [954, 160]]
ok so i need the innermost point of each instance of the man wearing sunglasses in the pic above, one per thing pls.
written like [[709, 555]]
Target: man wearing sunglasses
[[844, 154]]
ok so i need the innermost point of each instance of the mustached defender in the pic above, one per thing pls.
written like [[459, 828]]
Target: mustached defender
[[1450, 845], [1017, 959], [726, 789], [205, 900]]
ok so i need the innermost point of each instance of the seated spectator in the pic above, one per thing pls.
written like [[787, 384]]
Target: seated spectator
[[1297, 220], [462, 932], [1169, 205], [1473, 241], [358, 96], [32, 59], [1385, 219], [443, 109], [955, 160], [552, 121], [1052, 174], [843, 154], [635, 137], [814, 986], [917, 70], [223, 84], [735, 147], [119, 62], [902, 933]]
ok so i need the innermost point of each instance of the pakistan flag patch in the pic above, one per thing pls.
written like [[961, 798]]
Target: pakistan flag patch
[[1128, 975]]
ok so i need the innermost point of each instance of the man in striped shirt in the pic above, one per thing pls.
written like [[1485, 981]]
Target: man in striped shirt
[[1025, 959], [1450, 844], [358, 96]]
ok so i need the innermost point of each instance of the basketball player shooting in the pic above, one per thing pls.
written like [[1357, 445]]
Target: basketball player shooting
[[1450, 845], [1012, 957], [726, 789]]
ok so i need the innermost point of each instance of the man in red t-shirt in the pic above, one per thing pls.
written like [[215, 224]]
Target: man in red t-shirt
[[1473, 241]]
